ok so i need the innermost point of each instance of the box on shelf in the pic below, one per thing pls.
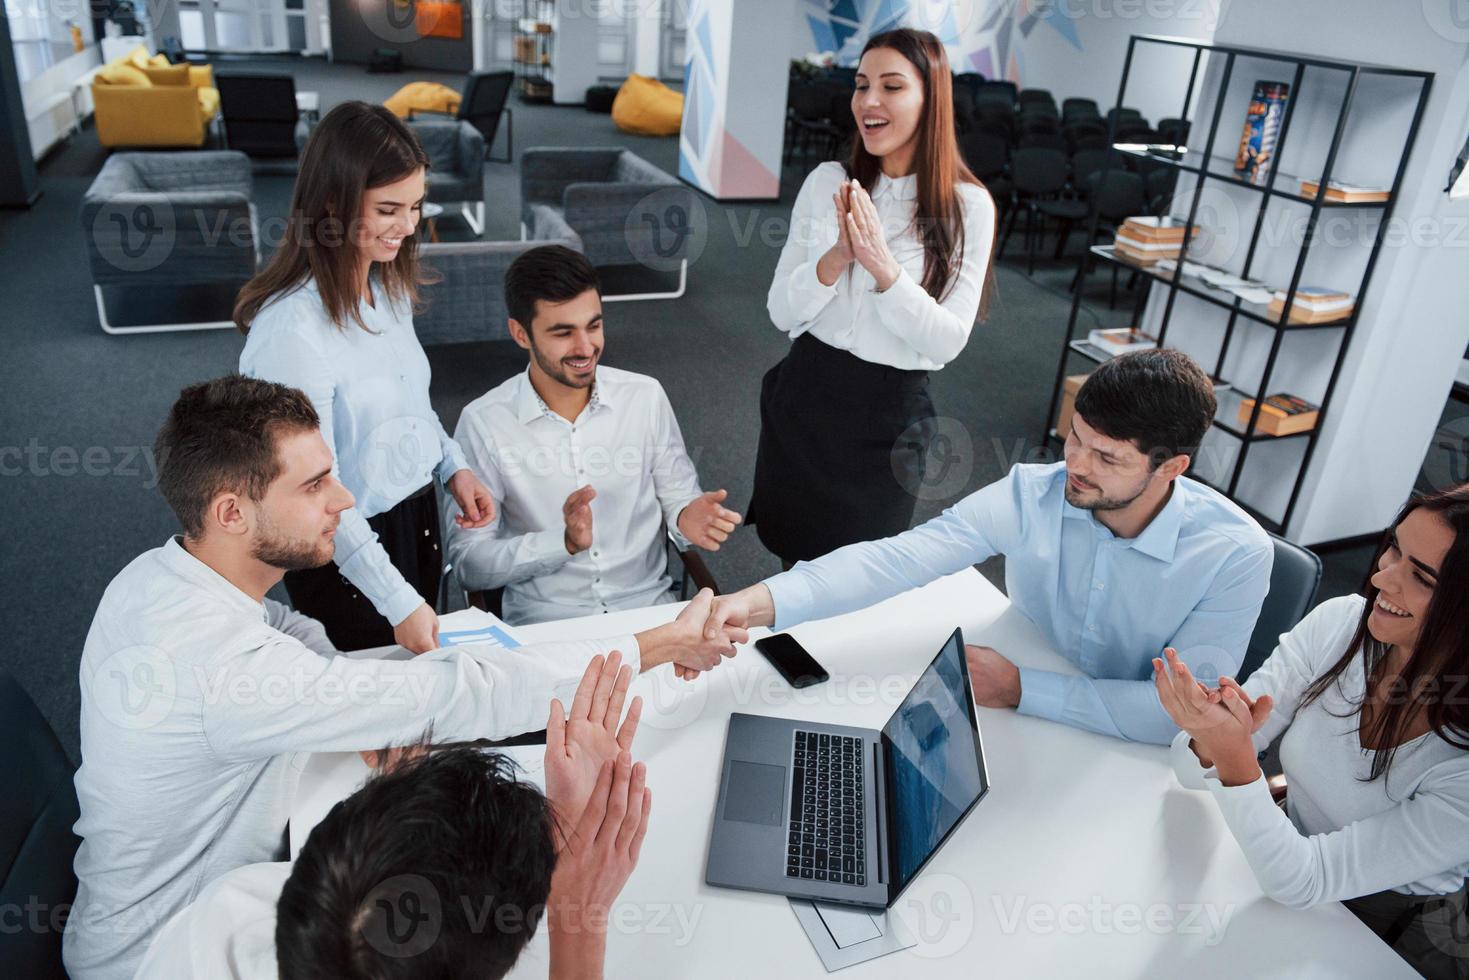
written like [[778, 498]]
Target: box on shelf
[[1345, 193], [1068, 403], [1281, 415], [1121, 340], [1256, 156]]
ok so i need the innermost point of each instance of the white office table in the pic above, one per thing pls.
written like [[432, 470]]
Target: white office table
[[1085, 859]]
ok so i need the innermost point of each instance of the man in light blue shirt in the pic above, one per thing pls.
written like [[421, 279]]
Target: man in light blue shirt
[[1113, 554]]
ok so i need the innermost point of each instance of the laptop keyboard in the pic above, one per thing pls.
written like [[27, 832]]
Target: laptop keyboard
[[826, 830]]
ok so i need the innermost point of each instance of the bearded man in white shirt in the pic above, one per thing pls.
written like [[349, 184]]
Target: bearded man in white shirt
[[197, 689], [586, 464]]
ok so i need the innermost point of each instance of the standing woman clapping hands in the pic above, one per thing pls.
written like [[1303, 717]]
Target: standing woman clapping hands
[[332, 314], [879, 283]]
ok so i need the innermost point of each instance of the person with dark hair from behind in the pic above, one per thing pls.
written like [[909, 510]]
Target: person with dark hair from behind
[[585, 463], [1369, 695], [442, 865], [1112, 553], [196, 688]]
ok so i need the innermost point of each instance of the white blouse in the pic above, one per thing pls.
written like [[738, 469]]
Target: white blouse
[[1344, 837], [902, 327], [371, 391]]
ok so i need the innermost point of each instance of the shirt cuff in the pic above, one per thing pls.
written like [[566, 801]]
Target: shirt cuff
[[401, 604], [453, 461], [1186, 765], [1042, 694], [791, 596], [547, 548], [902, 301], [1238, 803], [670, 518]]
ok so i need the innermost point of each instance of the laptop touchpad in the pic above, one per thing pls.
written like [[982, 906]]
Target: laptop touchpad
[[755, 793]]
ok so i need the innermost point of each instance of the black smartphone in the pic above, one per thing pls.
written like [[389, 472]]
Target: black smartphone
[[787, 656]]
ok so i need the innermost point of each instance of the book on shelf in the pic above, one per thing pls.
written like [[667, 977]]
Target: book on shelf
[[1280, 415], [1313, 304], [1345, 193], [1256, 155], [1150, 228], [1121, 340]]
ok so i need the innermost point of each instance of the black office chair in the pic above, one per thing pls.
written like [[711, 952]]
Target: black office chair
[[260, 115], [1294, 579], [482, 105], [689, 576], [35, 836], [1115, 195], [1039, 174]]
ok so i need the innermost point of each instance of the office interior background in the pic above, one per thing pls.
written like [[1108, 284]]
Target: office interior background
[[730, 105]]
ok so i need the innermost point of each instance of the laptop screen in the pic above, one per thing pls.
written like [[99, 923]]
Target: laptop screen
[[934, 762]]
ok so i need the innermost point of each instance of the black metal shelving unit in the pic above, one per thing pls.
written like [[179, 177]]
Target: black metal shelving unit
[[1206, 167], [532, 54]]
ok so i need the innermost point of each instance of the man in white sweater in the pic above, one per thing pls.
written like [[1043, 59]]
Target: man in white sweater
[[197, 690]]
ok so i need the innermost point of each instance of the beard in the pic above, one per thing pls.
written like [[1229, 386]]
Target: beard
[[559, 373], [289, 554], [1103, 502]]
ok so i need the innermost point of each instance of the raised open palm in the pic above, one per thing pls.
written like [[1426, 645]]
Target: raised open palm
[[578, 744]]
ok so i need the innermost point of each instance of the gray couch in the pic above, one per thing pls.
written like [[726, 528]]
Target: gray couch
[[171, 231], [456, 153], [611, 201], [468, 303]]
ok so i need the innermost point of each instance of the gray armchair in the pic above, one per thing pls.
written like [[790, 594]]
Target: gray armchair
[[171, 231], [595, 196], [456, 153], [468, 303]]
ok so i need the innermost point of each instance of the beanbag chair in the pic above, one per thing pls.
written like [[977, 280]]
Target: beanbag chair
[[647, 107], [424, 97]]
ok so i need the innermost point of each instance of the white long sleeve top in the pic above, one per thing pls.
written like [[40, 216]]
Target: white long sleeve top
[[370, 388], [903, 326], [1344, 837]]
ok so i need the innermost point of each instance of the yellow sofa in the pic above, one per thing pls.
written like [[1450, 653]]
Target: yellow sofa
[[143, 101]]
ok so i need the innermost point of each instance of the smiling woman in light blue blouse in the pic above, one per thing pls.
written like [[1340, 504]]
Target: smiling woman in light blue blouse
[[332, 314]]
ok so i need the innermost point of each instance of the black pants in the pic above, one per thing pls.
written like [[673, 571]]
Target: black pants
[[1432, 934], [843, 446], [410, 535]]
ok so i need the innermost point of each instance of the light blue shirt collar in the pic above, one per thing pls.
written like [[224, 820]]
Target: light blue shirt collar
[[1159, 539]]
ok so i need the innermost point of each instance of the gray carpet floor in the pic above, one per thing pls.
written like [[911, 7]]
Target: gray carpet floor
[[82, 407]]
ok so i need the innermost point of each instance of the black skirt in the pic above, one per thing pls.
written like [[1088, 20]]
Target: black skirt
[[409, 533], [843, 443]]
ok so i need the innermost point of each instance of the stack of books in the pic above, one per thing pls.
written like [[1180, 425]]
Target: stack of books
[[1146, 239], [1121, 340], [1345, 193], [1281, 415], [1313, 305]]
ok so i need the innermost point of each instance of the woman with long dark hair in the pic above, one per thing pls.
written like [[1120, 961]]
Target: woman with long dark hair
[[332, 314], [1372, 695], [879, 283]]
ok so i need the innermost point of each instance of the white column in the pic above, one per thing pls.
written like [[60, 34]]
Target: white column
[[735, 99]]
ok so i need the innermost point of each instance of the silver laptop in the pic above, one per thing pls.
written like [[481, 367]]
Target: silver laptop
[[849, 815]]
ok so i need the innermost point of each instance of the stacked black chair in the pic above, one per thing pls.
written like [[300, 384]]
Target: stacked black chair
[[1039, 174], [1174, 131], [997, 91], [1115, 196]]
